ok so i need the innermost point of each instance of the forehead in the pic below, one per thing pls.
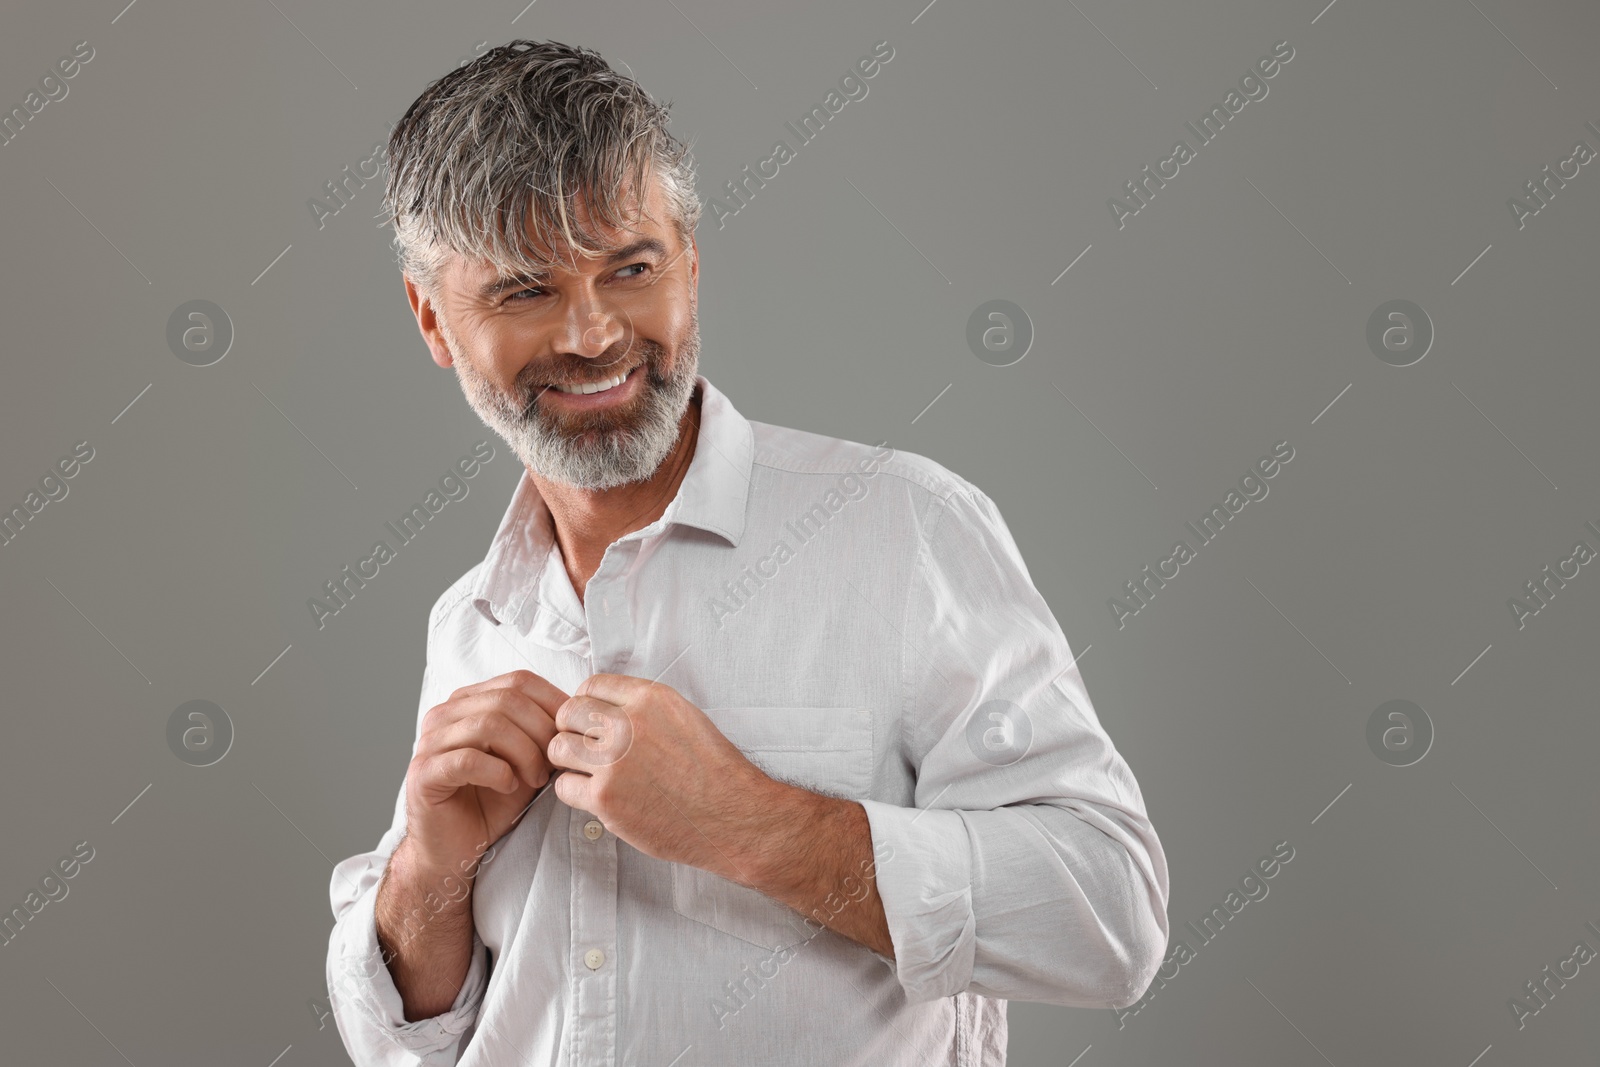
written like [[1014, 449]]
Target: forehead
[[649, 219]]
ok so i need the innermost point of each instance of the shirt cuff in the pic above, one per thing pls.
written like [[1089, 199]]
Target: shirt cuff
[[359, 976], [925, 884]]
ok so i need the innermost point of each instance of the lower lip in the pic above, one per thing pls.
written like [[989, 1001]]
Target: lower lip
[[594, 400]]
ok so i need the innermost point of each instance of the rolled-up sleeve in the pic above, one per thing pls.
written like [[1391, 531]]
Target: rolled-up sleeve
[[1027, 867], [367, 1007]]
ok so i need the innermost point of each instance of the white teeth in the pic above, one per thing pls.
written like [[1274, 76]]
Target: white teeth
[[595, 387]]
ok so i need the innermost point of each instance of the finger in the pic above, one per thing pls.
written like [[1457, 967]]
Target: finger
[[568, 752], [615, 688], [540, 689], [574, 790], [499, 681], [495, 733], [510, 705], [605, 740], [514, 704], [438, 777], [582, 714]]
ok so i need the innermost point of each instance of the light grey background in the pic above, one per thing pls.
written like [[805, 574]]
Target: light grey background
[[1228, 315]]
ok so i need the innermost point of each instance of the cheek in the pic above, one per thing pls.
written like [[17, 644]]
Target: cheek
[[666, 317], [503, 349]]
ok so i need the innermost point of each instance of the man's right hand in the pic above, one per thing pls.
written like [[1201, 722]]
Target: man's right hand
[[480, 757]]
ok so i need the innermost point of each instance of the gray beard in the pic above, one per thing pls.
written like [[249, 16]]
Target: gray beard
[[607, 455]]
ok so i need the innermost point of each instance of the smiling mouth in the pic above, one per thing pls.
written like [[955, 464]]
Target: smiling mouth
[[586, 388]]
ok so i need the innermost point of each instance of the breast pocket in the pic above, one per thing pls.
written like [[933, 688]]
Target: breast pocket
[[825, 750]]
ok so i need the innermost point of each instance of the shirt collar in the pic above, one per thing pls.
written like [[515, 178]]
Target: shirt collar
[[712, 496]]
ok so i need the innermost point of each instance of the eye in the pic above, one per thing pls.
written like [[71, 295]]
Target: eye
[[517, 297]]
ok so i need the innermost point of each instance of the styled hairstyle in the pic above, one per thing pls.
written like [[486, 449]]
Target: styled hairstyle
[[523, 132]]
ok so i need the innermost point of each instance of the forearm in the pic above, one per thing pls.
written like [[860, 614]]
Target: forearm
[[814, 854], [424, 927]]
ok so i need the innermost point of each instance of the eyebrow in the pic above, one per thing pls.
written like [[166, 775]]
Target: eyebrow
[[497, 286]]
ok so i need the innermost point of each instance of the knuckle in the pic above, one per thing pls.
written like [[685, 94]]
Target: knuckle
[[423, 773], [509, 701], [502, 700]]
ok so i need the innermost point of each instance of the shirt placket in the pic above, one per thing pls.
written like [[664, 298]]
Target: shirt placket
[[594, 966]]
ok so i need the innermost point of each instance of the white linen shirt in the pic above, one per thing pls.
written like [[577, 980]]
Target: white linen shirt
[[859, 622]]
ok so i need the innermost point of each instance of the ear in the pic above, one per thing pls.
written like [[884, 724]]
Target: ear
[[427, 322]]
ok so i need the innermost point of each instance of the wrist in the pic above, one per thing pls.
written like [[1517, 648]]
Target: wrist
[[416, 901], [418, 878]]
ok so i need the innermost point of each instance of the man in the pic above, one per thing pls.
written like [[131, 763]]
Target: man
[[742, 745]]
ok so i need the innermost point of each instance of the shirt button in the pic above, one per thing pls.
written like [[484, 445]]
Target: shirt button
[[593, 829], [594, 958]]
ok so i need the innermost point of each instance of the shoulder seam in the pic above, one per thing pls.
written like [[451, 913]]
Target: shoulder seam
[[941, 488]]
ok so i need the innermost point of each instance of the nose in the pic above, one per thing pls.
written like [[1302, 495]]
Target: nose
[[592, 327]]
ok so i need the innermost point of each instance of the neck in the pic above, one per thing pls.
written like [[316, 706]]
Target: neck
[[587, 521]]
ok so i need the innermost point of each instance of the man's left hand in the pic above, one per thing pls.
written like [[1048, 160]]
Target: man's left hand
[[659, 774]]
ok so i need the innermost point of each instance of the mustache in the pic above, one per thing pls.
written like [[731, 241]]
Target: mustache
[[529, 391]]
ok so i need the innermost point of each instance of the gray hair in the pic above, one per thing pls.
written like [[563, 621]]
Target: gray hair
[[518, 135]]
